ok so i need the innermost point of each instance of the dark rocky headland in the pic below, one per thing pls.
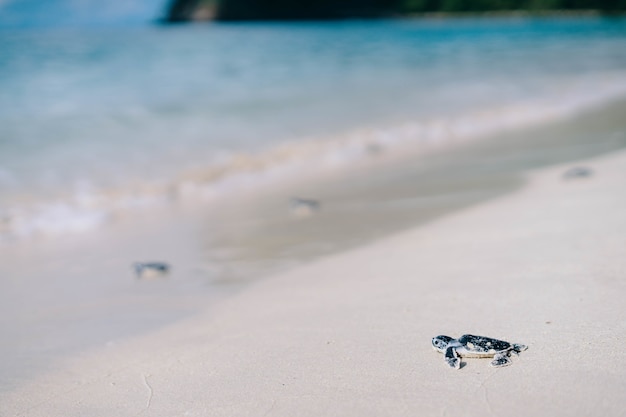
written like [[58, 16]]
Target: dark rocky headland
[[225, 10]]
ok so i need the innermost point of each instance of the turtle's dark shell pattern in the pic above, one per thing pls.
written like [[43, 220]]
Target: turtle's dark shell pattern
[[481, 344]]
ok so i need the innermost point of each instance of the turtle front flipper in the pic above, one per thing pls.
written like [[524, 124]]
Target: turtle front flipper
[[500, 359], [517, 349], [452, 358]]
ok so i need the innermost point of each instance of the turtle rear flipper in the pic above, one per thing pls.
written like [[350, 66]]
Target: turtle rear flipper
[[500, 359], [452, 358]]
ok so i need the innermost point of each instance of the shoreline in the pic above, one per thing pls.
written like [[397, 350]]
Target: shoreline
[[87, 207], [349, 334]]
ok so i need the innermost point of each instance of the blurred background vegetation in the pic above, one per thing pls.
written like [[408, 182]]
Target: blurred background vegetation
[[183, 10]]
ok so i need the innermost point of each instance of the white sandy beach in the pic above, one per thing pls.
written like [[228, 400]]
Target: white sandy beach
[[349, 335]]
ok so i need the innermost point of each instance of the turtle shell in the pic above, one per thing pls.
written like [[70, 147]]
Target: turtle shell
[[483, 346]]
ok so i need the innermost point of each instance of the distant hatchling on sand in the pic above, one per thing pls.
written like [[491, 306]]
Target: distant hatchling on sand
[[470, 346], [304, 207], [577, 172], [147, 270]]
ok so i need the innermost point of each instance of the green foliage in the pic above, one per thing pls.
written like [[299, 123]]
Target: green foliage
[[327, 9], [413, 6]]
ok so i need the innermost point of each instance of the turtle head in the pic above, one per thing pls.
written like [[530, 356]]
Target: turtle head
[[441, 342]]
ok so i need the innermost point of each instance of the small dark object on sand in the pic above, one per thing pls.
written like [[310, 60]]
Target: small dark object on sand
[[147, 270], [303, 207], [577, 172]]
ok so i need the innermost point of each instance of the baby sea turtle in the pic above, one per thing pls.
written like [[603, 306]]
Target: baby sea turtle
[[577, 172], [149, 270], [304, 207], [470, 346]]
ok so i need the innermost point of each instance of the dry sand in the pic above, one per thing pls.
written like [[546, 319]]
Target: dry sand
[[349, 335]]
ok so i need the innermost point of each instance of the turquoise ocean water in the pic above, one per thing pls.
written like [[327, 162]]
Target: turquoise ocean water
[[98, 119]]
